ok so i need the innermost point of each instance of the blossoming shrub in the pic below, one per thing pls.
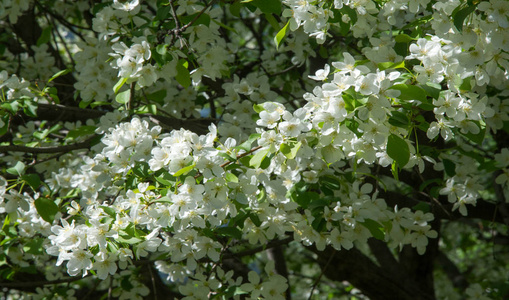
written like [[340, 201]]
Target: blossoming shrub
[[254, 149]]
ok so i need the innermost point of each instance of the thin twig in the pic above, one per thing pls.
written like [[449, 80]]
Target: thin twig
[[110, 288], [241, 155], [131, 96], [183, 28], [153, 281], [321, 274]]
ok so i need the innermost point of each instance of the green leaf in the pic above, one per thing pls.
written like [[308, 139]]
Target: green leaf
[[422, 206], [479, 137], [203, 19], [331, 154], [319, 224], [162, 49], [404, 38], [330, 182], [184, 170], [131, 240], [272, 21], [123, 97], [30, 108], [428, 182], [33, 180], [352, 13], [58, 74], [119, 84], [257, 159], [34, 246], [449, 167], [126, 284], [162, 12], [18, 169], [460, 16], [109, 210], [258, 108], [290, 150], [183, 76], [165, 178], [226, 156], [398, 150], [266, 161], [12, 107], [432, 89], [376, 229], [281, 35], [267, 6], [46, 208], [164, 199], [226, 26], [466, 84], [81, 131], [235, 9], [145, 109], [256, 220], [141, 169], [230, 232], [399, 119], [246, 146], [158, 96], [45, 36], [299, 194], [391, 65], [410, 92], [230, 177], [5, 120]]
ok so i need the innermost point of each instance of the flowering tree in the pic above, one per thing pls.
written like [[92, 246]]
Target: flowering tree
[[251, 149]]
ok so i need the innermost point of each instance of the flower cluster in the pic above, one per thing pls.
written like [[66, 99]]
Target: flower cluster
[[130, 62]]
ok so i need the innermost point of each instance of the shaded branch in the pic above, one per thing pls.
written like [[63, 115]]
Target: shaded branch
[[383, 255], [56, 149], [40, 283], [483, 210], [373, 280], [73, 114]]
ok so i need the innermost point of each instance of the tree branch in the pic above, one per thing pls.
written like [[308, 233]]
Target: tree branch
[[277, 255], [483, 210], [40, 283], [57, 149], [73, 114], [374, 281]]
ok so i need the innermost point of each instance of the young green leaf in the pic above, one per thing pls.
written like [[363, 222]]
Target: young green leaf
[[460, 16], [33, 180], [184, 170], [58, 74], [45, 36], [18, 169], [281, 35], [290, 150], [123, 97], [398, 150], [257, 159], [183, 76], [119, 84], [376, 229], [267, 6], [410, 92], [46, 208]]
